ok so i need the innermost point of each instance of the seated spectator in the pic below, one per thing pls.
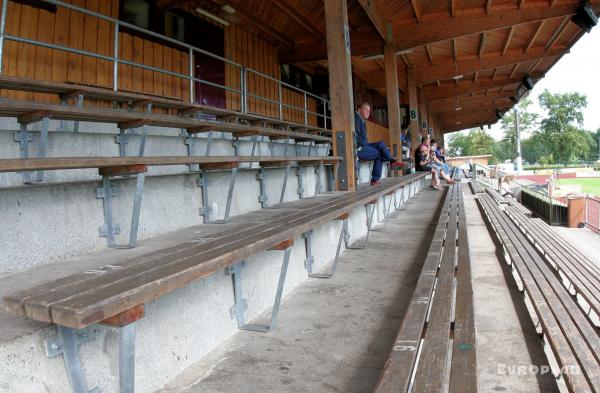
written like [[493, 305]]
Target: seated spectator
[[406, 144], [378, 152], [442, 168], [423, 164], [436, 157], [505, 186]]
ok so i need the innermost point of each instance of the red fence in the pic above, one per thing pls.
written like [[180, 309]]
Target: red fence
[[592, 213]]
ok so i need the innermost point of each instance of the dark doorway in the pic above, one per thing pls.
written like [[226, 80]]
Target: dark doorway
[[211, 38]]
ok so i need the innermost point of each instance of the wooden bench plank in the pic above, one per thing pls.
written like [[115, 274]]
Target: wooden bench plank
[[36, 164], [94, 298], [463, 370], [398, 369], [431, 370]]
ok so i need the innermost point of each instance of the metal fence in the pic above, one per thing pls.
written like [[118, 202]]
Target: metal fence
[[243, 72]]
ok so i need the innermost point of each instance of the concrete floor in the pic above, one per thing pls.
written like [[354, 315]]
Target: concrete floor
[[586, 241], [335, 335]]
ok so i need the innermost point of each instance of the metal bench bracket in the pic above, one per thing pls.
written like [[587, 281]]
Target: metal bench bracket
[[205, 210], [310, 259], [24, 138], [110, 229], [241, 305]]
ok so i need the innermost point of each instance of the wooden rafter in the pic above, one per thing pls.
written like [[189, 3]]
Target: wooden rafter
[[535, 35], [297, 16], [376, 16], [467, 87], [520, 4], [508, 38], [475, 77], [482, 44], [429, 54], [416, 10], [452, 7], [439, 28], [455, 49], [263, 28], [514, 70], [495, 73], [488, 7], [558, 32], [534, 66]]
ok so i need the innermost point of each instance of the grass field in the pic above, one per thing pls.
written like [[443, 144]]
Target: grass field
[[589, 185]]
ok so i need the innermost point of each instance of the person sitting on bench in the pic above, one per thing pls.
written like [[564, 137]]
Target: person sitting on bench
[[423, 164], [378, 152]]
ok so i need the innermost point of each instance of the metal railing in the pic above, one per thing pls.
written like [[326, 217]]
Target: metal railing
[[243, 71], [550, 209]]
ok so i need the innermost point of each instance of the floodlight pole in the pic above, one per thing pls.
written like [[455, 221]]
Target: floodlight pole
[[518, 139]]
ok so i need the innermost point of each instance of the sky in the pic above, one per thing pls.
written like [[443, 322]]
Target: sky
[[577, 71]]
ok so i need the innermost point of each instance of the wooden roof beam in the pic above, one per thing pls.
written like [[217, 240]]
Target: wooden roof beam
[[508, 38], [452, 7], [407, 36], [558, 32], [416, 10], [377, 19], [535, 35], [482, 44], [429, 54], [514, 70], [260, 25], [488, 7], [298, 17], [431, 73], [455, 49], [468, 87], [464, 126], [443, 28]]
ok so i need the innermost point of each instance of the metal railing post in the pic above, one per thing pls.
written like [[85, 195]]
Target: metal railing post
[[280, 102], [2, 27], [116, 56], [305, 110], [324, 113], [191, 74], [244, 89]]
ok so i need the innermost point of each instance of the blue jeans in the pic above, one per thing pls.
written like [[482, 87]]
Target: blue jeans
[[377, 152]]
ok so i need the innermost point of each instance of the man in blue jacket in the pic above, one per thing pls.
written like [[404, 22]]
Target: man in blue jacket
[[377, 152]]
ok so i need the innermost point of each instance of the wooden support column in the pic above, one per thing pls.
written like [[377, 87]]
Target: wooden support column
[[340, 88], [393, 99], [413, 115], [424, 112]]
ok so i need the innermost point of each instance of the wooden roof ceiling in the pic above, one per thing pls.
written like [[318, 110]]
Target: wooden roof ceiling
[[469, 54]]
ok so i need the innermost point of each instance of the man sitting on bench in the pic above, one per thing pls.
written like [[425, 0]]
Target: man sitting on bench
[[377, 152]]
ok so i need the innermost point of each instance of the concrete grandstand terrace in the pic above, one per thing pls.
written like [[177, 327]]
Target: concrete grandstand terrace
[[137, 92]]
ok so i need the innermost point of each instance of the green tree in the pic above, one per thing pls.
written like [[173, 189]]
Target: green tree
[[459, 145], [561, 129], [476, 142], [506, 149]]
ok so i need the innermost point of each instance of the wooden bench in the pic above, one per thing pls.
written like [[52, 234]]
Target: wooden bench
[[573, 340], [66, 91], [431, 323], [115, 294], [28, 112], [110, 167], [579, 274]]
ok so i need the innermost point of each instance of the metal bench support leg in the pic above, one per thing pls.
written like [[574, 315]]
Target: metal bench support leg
[[205, 209], [318, 185], [79, 105], [241, 305], [253, 146], [66, 343], [261, 176], [127, 358], [235, 143], [229, 199], [300, 182], [43, 144], [110, 229], [208, 143], [122, 141], [360, 246], [310, 259], [24, 138]]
